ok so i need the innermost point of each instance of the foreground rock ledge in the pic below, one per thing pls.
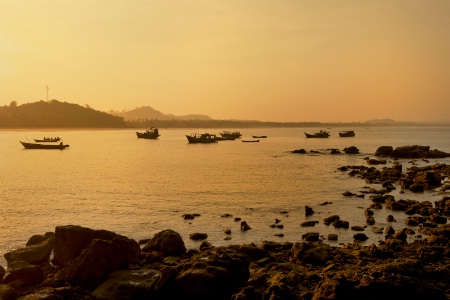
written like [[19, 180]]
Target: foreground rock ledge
[[99, 264]]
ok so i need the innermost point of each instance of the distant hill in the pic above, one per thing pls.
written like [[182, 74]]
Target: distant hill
[[55, 114], [147, 112]]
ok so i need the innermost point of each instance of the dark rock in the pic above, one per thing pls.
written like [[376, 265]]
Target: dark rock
[[308, 211], [24, 272], [315, 253], [311, 236], [128, 284], [302, 151], [351, 150], [8, 292], [384, 151], [168, 242], [331, 219], [253, 252], [35, 253], [214, 278], [198, 236], [360, 237], [309, 224], [71, 240], [88, 271], [245, 226]]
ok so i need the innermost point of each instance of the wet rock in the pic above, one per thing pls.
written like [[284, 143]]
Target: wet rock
[[128, 284], [71, 240], [311, 236], [168, 242], [25, 273], [384, 151], [315, 253], [302, 151], [88, 271], [8, 292], [214, 278], [198, 236], [308, 211], [36, 253], [351, 150], [309, 224], [245, 226], [331, 219], [360, 237]]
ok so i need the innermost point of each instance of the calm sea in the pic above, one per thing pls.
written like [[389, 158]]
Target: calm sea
[[109, 179]]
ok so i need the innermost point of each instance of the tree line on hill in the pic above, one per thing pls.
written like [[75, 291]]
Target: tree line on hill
[[56, 114]]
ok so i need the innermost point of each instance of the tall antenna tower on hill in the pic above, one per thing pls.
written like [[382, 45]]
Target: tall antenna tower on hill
[[47, 93]]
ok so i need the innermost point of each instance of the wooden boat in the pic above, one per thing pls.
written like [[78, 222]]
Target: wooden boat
[[235, 134], [59, 146], [48, 140], [259, 136], [250, 141], [201, 138], [151, 133], [348, 133], [321, 134]]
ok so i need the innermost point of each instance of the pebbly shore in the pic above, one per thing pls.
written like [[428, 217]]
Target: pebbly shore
[[76, 262]]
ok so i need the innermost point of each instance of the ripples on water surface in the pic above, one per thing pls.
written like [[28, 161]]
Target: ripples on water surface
[[109, 179]]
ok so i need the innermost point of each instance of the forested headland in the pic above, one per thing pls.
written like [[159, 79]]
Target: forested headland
[[56, 114]]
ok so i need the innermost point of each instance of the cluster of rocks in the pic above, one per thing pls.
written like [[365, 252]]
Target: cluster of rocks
[[99, 264], [348, 150]]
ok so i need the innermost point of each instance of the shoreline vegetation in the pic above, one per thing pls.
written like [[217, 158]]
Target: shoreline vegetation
[[62, 115], [75, 262]]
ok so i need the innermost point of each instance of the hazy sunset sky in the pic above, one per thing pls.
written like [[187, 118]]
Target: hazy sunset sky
[[277, 60]]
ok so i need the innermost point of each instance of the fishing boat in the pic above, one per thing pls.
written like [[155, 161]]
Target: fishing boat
[[151, 133], [259, 136], [235, 134], [201, 138], [321, 134], [59, 146], [348, 133], [250, 141], [48, 140]]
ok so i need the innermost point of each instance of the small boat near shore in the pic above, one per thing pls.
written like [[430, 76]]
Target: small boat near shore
[[259, 136], [151, 133], [348, 133], [201, 138], [59, 146], [48, 140], [250, 141], [321, 134]]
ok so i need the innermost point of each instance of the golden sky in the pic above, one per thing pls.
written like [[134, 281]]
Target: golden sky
[[269, 60]]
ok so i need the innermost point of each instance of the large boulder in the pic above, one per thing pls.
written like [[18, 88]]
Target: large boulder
[[168, 242], [128, 284], [98, 260], [315, 253], [384, 151], [70, 240], [214, 274], [34, 253], [25, 273]]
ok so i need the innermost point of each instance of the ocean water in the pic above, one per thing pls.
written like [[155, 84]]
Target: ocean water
[[109, 179]]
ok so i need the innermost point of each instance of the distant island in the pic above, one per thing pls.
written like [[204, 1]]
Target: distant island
[[56, 114]]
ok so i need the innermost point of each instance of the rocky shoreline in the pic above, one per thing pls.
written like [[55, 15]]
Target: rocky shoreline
[[75, 262]]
